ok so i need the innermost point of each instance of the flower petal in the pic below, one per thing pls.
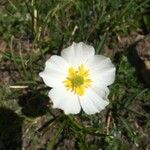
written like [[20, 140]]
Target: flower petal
[[78, 53], [55, 71], [104, 78], [102, 70], [87, 104], [93, 102], [99, 62], [65, 100], [52, 78], [57, 63], [99, 97], [103, 92]]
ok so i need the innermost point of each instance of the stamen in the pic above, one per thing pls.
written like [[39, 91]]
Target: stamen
[[78, 80]]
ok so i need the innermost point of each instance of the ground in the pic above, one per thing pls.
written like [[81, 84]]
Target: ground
[[32, 31]]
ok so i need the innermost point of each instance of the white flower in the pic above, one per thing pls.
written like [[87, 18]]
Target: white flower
[[79, 79]]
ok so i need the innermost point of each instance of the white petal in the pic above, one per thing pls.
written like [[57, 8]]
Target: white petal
[[65, 100], [99, 100], [98, 62], [78, 53], [104, 78], [55, 71], [102, 70], [92, 103], [103, 92], [52, 78], [87, 104], [57, 63]]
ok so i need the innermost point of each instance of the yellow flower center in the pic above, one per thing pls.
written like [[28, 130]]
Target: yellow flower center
[[78, 80]]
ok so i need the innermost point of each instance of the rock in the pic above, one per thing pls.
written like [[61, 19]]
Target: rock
[[143, 51]]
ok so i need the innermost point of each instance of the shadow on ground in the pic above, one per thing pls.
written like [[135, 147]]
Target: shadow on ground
[[142, 71], [33, 104], [10, 130], [137, 55]]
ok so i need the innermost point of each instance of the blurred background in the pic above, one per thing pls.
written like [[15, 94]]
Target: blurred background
[[33, 30]]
